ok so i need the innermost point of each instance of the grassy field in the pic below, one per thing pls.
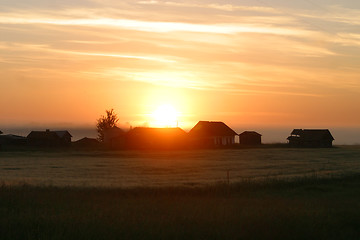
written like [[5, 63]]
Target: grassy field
[[178, 168], [302, 208], [272, 194]]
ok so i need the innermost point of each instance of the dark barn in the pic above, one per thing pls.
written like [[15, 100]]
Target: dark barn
[[211, 134], [310, 138], [49, 138], [250, 138]]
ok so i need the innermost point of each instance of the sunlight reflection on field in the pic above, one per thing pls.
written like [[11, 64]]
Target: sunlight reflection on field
[[128, 169]]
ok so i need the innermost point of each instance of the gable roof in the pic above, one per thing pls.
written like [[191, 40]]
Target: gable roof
[[297, 132], [250, 133], [48, 134], [62, 134], [208, 129], [312, 134]]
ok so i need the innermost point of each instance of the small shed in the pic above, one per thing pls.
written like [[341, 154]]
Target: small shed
[[250, 138]]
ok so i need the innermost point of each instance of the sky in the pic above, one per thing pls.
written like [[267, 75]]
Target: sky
[[252, 64]]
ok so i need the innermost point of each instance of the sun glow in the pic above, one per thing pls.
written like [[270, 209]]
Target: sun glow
[[165, 116]]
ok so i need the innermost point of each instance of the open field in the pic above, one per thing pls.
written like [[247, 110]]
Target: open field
[[273, 194], [306, 208], [182, 168]]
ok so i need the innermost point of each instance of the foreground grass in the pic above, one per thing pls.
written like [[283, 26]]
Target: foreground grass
[[306, 208]]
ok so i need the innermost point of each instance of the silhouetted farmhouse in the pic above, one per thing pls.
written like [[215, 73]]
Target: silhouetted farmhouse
[[210, 134], [114, 138], [86, 143], [310, 138], [250, 138], [156, 138], [49, 138]]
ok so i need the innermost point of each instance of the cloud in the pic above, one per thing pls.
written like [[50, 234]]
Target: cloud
[[217, 6], [46, 48], [148, 58], [256, 43], [348, 39], [161, 27]]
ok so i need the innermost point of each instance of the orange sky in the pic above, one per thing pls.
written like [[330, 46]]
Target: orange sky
[[247, 63]]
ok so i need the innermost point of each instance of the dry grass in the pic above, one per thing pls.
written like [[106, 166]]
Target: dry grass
[[303, 208], [177, 168], [273, 194]]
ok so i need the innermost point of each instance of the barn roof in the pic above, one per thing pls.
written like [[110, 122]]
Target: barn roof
[[62, 133], [313, 134], [207, 128], [48, 134], [297, 132]]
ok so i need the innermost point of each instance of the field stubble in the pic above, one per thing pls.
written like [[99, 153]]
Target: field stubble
[[299, 203], [194, 168]]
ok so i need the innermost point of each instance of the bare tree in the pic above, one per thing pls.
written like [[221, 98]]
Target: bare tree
[[105, 122]]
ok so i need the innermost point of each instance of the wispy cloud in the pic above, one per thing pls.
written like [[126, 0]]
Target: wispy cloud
[[148, 58], [46, 48], [149, 26], [334, 13], [197, 45], [223, 7], [348, 39]]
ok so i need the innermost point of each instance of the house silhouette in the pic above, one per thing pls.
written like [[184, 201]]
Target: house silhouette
[[49, 138], [210, 134], [310, 138], [250, 138]]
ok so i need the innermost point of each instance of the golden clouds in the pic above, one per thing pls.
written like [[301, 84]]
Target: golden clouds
[[225, 50]]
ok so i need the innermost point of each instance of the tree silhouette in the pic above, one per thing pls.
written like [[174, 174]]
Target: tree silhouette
[[106, 122]]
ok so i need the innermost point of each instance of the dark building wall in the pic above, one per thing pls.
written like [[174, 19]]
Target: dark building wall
[[308, 143], [250, 139]]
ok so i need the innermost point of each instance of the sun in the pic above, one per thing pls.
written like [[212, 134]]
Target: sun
[[165, 116]]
